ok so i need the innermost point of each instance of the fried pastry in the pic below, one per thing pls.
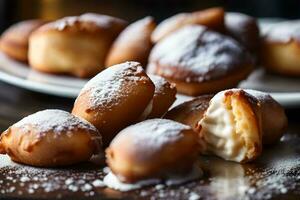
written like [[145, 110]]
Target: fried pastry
[[74, 45], [133, 43], [115, 98], [244, 29], [274, 120], [212, 18], [155, 149], [164, 97], [51, 138], [231, 126], [200, 61], [14, 41], [280, 51]]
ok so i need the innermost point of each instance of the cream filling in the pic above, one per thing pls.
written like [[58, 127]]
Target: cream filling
[[147, 111], [219, 131], [111, 180]]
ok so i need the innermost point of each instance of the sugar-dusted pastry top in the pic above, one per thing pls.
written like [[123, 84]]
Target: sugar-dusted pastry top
[[196, 54], [106, 89], [283, 32], [87, 22], [56, 121], [160, 132]]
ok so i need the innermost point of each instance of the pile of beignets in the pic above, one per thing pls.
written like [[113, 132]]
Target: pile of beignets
[[125, 111], [124, 108], [201, 52]]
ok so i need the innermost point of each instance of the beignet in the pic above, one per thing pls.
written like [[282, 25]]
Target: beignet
[[231, 126], [115, 98], [51, 138], [14, 41], [152, 149], [200, 61], [212, 18], [74, 45], [133, 43], [164, 97], [280, 49], [244, 29]]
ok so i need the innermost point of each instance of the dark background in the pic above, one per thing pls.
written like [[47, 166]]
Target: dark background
[[16, 10]]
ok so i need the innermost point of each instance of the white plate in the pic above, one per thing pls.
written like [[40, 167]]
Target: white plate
[[284, 90]]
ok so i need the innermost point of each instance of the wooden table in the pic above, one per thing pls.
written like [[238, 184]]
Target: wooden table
[[275, 175]]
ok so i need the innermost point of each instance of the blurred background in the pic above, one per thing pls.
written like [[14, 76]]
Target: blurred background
[[16, 10]]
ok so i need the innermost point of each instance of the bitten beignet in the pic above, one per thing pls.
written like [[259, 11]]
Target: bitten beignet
[[133, 43], [74, 45], [152, 149], [200, 61], [14, 41], [51, 138], [231, 126], [115, 98], [212, 18]]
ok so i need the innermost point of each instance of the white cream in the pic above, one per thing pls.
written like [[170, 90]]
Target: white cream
[[219, 132], [111, 181], [147, 111]]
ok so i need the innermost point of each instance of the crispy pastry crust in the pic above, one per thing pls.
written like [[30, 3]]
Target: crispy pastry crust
[[133, 43], [213, 18], [152, 149], [50, 138]]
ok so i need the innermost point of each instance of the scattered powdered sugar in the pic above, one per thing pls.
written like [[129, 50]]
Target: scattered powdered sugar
[[18, 179], [56, 121], [111, 181], [110, 86], [198, 53]]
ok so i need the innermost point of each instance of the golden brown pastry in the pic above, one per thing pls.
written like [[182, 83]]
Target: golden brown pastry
[[50, 138], [200, 61], [231, 126], [280, 51], [273, 119], [115, 98], [150, 150], [14, 41], [164, 97], [133, 44], [190, 112], [74, 45], [212, 18], [244, 29]]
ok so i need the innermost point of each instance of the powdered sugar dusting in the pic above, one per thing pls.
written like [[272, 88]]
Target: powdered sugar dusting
[[159, 82], [102, 21], [108, 88], [199, 55], [160, 132], [284, 31], [56, 121]]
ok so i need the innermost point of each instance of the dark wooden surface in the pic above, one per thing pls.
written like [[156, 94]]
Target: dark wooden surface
[[275, 175]]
